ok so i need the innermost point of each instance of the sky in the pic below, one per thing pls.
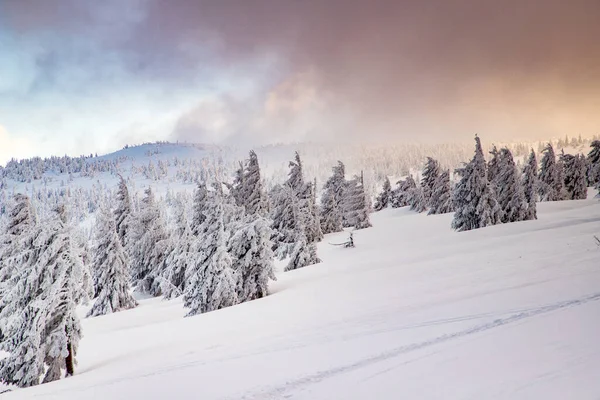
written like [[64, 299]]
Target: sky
[[84, 76]]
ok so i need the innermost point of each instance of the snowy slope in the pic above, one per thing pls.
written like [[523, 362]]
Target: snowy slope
[[415, 311]]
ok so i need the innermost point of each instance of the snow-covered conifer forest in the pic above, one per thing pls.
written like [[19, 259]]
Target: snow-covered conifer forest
[[305, 271]]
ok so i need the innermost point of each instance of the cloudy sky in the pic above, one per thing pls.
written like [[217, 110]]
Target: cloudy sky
[[79, 76]]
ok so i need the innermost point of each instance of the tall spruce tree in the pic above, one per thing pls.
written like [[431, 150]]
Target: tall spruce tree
[[474, 198], [199, 207], [332, 212], [39, 323], [254, 198], [431, 171], [212, 284], [250, 248], [111, 268], [402, 195], [441, 197], [493, 166], [550, 178], [148, 246], [530, 184], [383, 200], [123, 213], [593, 159], [574, 176], [511, 196]]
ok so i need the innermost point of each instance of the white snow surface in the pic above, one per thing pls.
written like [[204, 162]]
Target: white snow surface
[[415, 311]]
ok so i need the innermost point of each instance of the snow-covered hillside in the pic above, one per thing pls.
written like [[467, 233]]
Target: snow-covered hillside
[[415, 311]]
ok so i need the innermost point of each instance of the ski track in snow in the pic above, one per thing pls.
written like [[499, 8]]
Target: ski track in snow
[[285, 390]]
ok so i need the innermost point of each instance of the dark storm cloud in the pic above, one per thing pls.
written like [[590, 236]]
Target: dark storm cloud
[[389, 67]]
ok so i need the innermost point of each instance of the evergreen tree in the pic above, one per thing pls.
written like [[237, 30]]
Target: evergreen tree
[[311, 214], [250, 249], [303, 254], [111, 269], [550, 180], [574, 176], [594, 163], [212, 285], [39, 323], [429, 177], [284, 219], [383, 199], [200, 200], [254, 199], [332, 212], [15, 243], [403, 193], [511, 196], [356, 204], [148, 247], [416, 199], [474, 198], [493, 166], [123, 211], [530, 184], [441, 197], [177, 264], [331, 217]]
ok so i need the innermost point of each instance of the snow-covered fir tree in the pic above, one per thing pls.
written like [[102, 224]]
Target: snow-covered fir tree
[[40, 326], [123, 210], [284, 223], [404, 190], [356, 204], [511, 197], [311, 213], [574, 176], [530, 186], [199, 207], [441, 197], [593, 159], [332, 212], [474, 199], [416, 199], [493, 166], [550, 178], [253, 194], [148, 246], [383, 199], [212, 284], [251, 250], [111, 268], [331, 215], [14, 251], [429, 176]]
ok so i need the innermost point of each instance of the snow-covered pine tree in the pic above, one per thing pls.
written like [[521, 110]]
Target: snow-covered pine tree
[[251, 250], [15, 243], [123, 210], [403, 192], [530, 184], [493, 166], [296, 175], [148, 246], [61, 255], [574, 176], [550, 178], [474, 198], [416, 199], [199, 208], [311, 214], [212, 284], [510, 190], [236, 189], [254, 198], [177, 263], [283, 199], [431, 171], [303, 254], [441, 197], [332, 212], [383, 200], [356, 204], [331, 216], [111, 268], [39, 323], [594, 164]]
